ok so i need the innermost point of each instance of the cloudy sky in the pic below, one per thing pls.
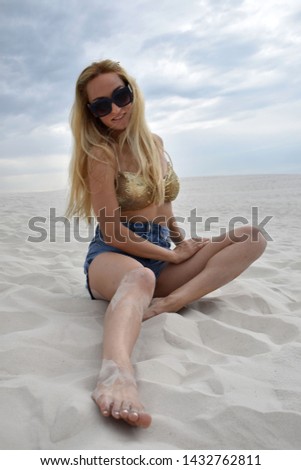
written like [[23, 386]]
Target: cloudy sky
[[221, 80]]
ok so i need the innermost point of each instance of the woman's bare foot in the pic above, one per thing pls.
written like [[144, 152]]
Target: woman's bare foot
[[116, 395], [161, 305]]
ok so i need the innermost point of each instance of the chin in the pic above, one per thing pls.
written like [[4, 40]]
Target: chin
[[117, 126], [117, 129]]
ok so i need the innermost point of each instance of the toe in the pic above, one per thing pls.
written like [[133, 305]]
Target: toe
[[116, 410], [105, 404], [139, 418], [124, 410], [133, 416], [144, 420], [105, 409], [116, 414]]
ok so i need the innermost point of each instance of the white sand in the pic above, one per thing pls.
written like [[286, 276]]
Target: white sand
[[225, 374]]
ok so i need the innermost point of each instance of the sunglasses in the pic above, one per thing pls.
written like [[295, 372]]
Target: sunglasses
[[103, 106]]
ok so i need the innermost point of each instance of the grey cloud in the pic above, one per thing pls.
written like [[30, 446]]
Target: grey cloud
[[220, 52], [42, 50]]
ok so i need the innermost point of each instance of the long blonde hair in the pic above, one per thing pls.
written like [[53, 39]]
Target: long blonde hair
[[88, 132]]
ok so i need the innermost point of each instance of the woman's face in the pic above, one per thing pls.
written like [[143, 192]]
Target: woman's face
[[103, 86]]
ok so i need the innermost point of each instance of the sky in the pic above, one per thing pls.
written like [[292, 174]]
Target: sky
[[221, 81]]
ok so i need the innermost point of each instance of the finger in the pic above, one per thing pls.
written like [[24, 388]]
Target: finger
[[202, 244], [201, 239]]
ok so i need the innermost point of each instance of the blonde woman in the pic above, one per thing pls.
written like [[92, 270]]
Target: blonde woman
[[119, 173]]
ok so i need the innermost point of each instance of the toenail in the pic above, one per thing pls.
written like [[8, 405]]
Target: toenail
[[135, 415]]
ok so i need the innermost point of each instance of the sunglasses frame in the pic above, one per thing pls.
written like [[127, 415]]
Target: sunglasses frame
[[111, 101]]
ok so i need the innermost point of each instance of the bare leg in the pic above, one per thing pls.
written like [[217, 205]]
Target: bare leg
[[116, 391], [218, 263]]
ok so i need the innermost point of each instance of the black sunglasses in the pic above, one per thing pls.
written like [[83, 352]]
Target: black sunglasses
[[103, 106]]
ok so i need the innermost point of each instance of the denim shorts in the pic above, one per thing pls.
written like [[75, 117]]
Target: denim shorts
[[154, 233]]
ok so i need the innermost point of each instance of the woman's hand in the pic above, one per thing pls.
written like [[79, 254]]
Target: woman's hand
[[187, 248]]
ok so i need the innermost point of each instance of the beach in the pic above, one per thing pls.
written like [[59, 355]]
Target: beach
[[224, 373]]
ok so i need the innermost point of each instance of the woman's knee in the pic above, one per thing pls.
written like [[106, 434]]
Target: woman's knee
[[142, 277], [259, 239], [253, 236], [107, 271], [247, 232]]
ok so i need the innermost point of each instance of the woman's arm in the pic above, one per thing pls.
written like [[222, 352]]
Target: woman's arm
[[177, 234]]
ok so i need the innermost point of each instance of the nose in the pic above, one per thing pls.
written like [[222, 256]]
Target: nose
[[115, 108]]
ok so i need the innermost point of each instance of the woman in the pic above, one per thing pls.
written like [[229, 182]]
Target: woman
[[120, 174]]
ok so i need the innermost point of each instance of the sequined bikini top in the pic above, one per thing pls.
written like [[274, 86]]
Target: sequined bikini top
[[133, 193]]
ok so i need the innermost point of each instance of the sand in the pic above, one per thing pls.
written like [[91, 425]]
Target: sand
[[223, 374]]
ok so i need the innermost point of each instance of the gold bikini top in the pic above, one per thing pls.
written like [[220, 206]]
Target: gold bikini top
[[133, 193]]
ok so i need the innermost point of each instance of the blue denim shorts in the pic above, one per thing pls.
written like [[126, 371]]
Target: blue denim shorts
[[154, 233]]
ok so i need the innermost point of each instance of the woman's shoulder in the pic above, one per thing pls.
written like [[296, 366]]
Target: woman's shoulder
[[158, 139], [99, 155], [100, 164], [97, 152]]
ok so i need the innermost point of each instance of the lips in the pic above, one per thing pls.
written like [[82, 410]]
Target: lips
[[119, 117]]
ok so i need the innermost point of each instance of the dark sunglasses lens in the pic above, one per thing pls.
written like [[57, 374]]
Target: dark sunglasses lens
[[122, 97], [101, 107]]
